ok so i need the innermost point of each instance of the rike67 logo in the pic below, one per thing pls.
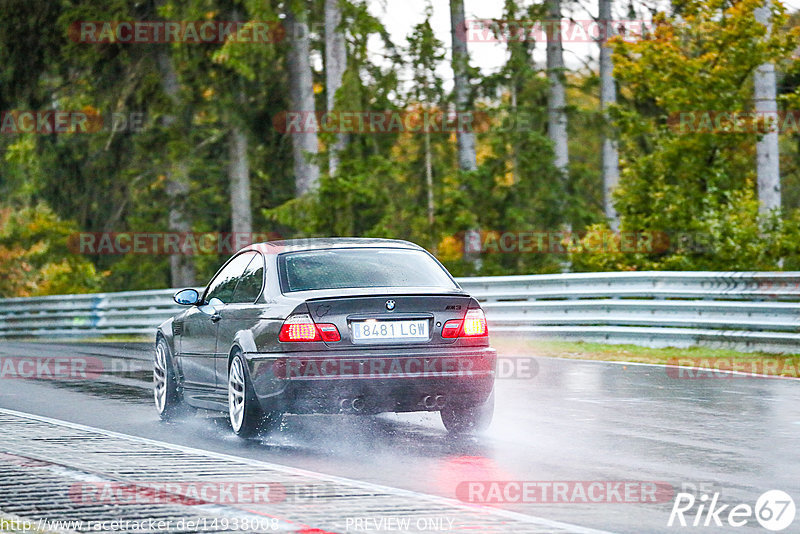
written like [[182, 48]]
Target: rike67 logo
[[774, 510]]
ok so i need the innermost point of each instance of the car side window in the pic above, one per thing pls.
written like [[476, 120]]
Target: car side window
[[224, 284], [250, 283]]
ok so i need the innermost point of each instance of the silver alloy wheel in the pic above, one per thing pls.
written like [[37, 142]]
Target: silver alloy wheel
[[236, 394], [160, 377]]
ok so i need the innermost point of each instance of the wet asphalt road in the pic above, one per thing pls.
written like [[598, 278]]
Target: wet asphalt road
[[572, 421]]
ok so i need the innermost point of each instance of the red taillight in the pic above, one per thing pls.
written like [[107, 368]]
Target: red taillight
[[329, 332], [473, 325], [451, 328], [301, 328]]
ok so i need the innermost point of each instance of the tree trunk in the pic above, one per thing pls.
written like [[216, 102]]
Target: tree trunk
[[239, 166], [467, 160], [305, 145], [429, 186], [767, 163], [557, 101], [239, 177], [515, 148], [182, 270], [335, 65], [608, 97]]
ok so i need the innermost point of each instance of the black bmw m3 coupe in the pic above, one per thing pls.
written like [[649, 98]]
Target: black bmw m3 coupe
[[344, 325]]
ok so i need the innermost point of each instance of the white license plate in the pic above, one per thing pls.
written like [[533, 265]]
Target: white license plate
[[364, 331]]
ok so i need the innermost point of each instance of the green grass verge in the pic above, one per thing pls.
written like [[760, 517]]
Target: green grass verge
[[118, 339], [699, 357]]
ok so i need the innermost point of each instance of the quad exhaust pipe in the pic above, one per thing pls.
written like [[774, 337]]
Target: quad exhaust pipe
[[355, 405], [432, 402]]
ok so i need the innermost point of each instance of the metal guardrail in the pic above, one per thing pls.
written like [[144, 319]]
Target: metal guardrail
[[89, 315], [742, 310]]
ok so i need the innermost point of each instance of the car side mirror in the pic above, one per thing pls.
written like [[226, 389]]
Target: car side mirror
[[210, 308], [187, 297]]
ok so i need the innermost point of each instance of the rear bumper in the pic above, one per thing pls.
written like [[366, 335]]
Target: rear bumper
[[377, 380]]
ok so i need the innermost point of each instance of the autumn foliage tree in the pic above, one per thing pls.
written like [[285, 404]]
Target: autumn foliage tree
[[688, 170]]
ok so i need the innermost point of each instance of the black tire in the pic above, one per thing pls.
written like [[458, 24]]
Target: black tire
[[468, 419], [169, 403], [245, 414]]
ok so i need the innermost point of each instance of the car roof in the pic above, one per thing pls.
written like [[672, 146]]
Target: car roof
[[296, 245]]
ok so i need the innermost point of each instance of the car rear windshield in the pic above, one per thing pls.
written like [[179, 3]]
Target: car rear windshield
[[355, 268]]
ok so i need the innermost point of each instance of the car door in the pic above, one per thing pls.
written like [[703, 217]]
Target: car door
[[240, 313], [199, 340]]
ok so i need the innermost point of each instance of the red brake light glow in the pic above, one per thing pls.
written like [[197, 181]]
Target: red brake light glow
[[301, 328], [473, 325]]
